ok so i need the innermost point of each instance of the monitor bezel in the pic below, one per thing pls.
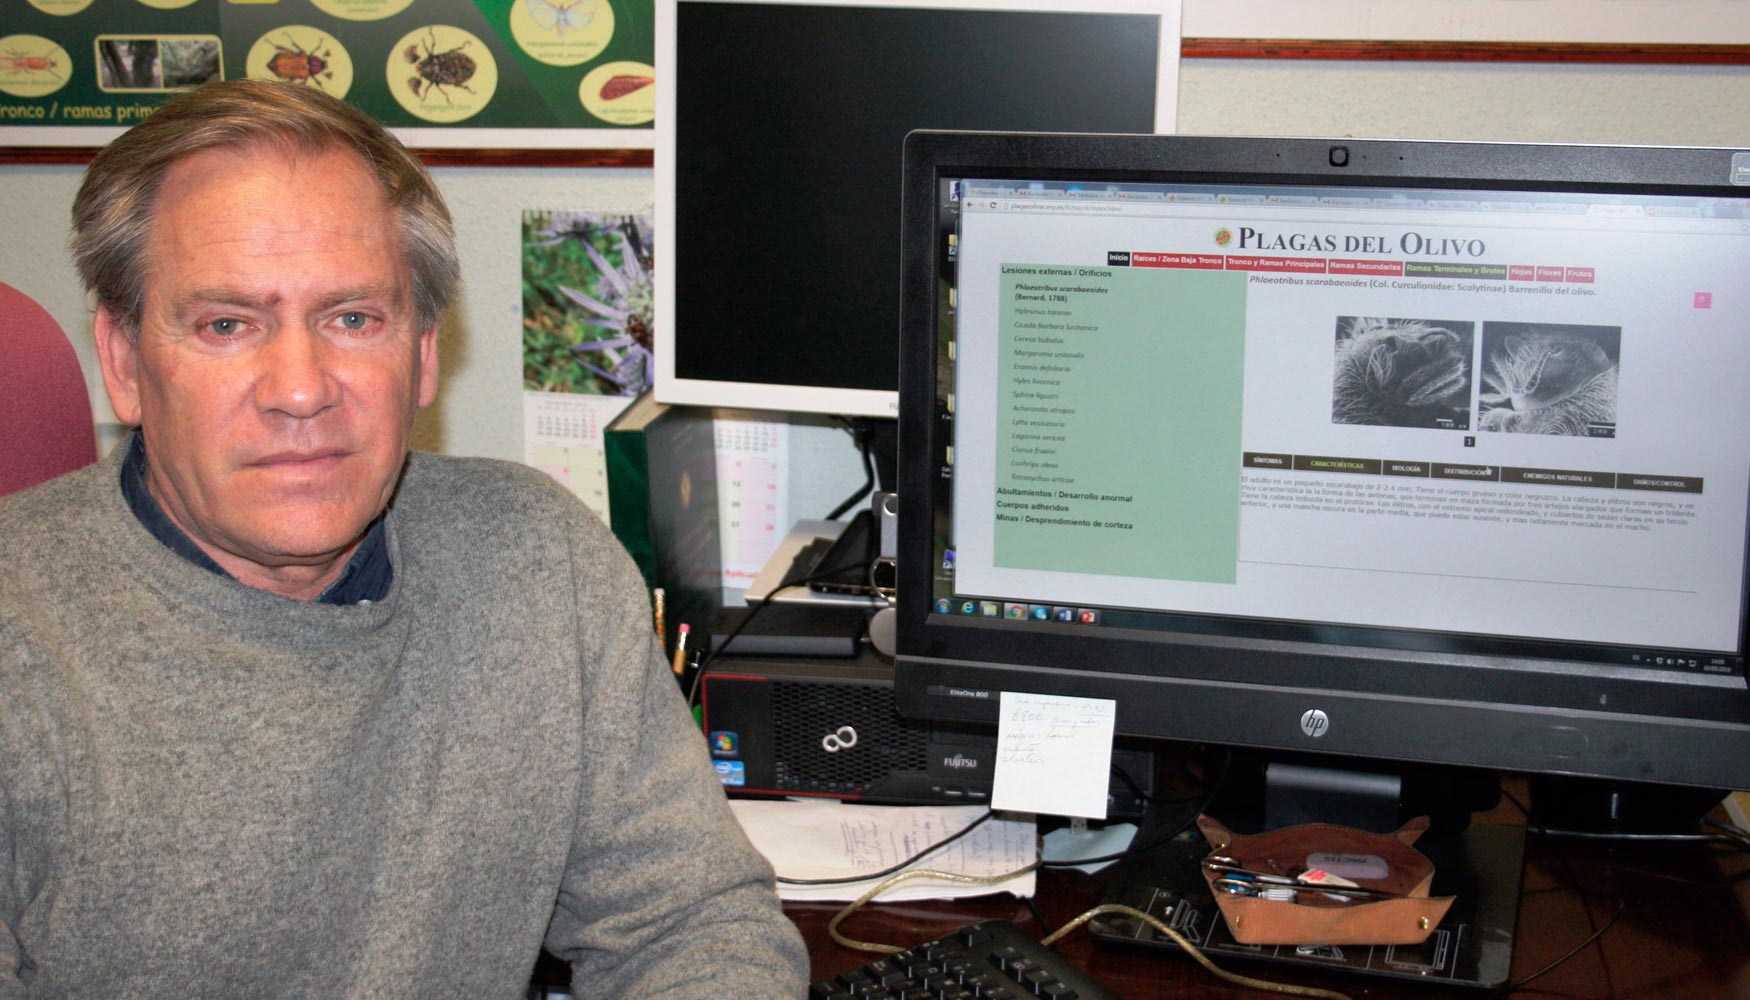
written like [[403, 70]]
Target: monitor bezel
[[1506, 712]]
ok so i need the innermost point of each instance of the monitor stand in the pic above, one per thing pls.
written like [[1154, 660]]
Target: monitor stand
[[1478, 864]]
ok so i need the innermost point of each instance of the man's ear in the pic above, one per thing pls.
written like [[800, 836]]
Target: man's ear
[[118, 355], [427, 372]]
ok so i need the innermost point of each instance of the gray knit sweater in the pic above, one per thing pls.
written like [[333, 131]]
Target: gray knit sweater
[[207, 790]]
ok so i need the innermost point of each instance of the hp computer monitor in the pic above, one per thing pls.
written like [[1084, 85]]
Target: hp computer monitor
[[1401, 451], [778, 169]]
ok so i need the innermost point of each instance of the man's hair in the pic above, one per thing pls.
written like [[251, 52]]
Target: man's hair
[[113, 212]]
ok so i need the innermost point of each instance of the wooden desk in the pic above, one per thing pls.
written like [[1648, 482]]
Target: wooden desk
[[1684, 932]]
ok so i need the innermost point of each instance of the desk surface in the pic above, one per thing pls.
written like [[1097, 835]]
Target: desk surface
[[1684, 930]]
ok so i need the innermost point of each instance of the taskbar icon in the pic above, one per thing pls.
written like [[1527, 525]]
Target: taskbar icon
[[1019, 610]]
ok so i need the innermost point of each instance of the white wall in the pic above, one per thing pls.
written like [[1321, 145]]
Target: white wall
[[1529, 102], [1719, 22], [480, 410]]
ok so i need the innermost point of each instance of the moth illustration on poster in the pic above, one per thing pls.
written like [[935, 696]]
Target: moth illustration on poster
[[562, 32]]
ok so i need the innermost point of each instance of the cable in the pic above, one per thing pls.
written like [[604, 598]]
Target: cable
[[1728, 835], [1575, 950], [861, 436], [1130, 783], [1579, 890], [753, 609], [1191, 949], [883, 873], [1202, 802], [1625, 837], [832, 928], [1735, 836], [1033, 908]]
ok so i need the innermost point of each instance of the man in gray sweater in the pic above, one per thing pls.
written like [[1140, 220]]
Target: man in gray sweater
[[287, 712]]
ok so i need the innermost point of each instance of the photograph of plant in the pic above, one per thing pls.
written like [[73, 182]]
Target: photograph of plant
[[587, 306]]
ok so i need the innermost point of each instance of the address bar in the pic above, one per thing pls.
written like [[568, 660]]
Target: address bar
[[1065, 207]]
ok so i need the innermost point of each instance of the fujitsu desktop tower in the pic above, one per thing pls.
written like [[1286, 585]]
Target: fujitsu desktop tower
[[797, 726]]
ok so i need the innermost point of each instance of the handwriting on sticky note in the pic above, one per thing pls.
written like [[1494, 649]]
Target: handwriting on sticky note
[[1053, 754]]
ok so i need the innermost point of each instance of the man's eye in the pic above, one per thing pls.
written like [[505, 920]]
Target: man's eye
[[355, 320], [226, 327]]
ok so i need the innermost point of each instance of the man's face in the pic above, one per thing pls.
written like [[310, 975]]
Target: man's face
[[277, 367]]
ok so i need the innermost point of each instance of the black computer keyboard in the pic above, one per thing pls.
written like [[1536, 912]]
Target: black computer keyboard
[[992, 960]]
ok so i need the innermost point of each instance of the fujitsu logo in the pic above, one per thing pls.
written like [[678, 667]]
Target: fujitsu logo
[[959, 761], [842, 738]]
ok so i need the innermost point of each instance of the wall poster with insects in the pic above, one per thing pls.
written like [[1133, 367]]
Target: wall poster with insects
[[471, 74]]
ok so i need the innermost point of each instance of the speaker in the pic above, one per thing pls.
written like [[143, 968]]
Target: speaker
[[795, 726]]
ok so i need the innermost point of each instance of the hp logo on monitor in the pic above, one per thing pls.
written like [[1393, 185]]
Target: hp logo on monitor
[[1315, 723]]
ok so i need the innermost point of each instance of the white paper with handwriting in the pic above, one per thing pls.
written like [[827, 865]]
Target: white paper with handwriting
[[1054, 754], [825, 838]]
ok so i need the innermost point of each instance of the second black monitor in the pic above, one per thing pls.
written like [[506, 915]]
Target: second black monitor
[[782, 179]]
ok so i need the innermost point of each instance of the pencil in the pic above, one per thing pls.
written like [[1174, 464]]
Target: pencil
[[680, 650]]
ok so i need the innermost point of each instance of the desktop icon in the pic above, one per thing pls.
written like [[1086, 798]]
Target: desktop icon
[[1040, 612], [1088, 616], [1063, 614], [989, 609], [1013, 610], [969, 607], [944, 606]]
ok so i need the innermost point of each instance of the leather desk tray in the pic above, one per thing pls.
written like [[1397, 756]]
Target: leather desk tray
[[1314, 917]]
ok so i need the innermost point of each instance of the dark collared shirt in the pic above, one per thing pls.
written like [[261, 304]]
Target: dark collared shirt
[[367, 575]]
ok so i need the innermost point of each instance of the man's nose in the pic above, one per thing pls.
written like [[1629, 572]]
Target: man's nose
[[297, 377]]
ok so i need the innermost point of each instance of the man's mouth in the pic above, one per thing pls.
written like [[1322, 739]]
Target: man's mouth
[[299, 458]]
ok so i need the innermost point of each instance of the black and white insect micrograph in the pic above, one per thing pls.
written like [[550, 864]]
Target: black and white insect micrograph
[[189, 62], [129, 64], [1403, 372], [1549, 378]]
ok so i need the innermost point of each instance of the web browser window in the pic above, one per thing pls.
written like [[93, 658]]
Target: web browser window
[[1473, 412]]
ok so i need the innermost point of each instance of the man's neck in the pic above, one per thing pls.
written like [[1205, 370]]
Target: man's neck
[[297, 581]]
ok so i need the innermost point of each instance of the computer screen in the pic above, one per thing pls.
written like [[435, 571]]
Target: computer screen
[[1414, 451], [780, 158]]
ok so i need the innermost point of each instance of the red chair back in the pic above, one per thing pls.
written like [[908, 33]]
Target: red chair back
[[45, 410]]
